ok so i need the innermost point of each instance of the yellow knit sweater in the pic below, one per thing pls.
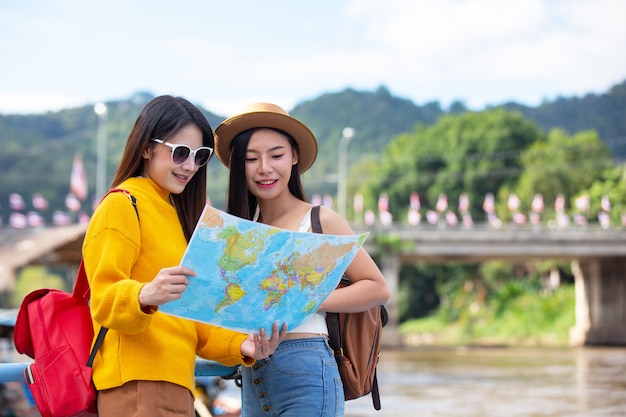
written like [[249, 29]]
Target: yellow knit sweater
[[121, 254]]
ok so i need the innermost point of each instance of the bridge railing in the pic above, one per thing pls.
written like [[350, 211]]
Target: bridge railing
[[15, 371], [485, 226]]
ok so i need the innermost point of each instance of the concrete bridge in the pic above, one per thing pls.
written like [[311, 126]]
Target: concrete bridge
[[598, 259]]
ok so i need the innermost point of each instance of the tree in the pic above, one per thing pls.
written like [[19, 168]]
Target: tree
[[475, 153], [612, 185], [561, 164]]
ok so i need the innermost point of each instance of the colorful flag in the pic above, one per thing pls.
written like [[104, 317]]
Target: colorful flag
[[18, 220], [519, 218], [604, 219], [386, 218], [582, 202], [451, 219], [605, 203], [580, 220], [383, 203], [464, 203], [535, 218], [61, 218], [414, 201], [316, 200], [78, 178], [327, 201], [72, 203], [537, 203], [414, 217], [16, 202], [442, 203], [83, 218], [489, 204], [467, 220], [562, 219], [432, 217], [358, 203], [559, 203], [493, 220], [34, 219], [514, 202], [40, 202]]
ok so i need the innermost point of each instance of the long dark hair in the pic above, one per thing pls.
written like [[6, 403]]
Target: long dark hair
[[163, 117], [240, 201]]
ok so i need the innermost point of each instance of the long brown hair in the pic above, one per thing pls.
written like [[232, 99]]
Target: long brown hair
[[162, 117]]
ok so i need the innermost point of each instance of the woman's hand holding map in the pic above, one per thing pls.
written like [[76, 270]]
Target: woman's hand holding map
[[259, 346]]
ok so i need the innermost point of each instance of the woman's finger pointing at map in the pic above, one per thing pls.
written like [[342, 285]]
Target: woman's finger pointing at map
[[168, 285]]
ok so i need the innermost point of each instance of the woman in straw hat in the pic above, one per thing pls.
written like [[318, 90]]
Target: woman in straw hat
[[267, 150]]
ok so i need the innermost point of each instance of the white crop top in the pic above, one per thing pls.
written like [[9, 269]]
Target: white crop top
[[317, 322]]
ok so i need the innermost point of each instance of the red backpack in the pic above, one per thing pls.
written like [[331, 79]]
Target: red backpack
[[55, 329]]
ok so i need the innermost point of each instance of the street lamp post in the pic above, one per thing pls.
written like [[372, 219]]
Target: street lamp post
[[101, 110], [342, 170]]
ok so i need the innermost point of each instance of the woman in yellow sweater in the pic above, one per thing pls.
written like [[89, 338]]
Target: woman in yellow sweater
[[145, 367]]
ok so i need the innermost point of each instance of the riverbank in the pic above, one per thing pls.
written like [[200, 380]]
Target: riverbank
[[495, 382], [529, 320]]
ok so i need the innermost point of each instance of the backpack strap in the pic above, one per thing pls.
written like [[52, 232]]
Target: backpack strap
[[332, 320], [96, 345], [81, 286], [375, 392], [316, 226]]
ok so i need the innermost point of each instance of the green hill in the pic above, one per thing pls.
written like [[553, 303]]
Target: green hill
[[37, 150]]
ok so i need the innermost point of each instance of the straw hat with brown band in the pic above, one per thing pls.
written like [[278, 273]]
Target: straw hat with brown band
[[266, 115]]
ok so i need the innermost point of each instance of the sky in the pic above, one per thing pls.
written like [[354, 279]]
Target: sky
[[225, 54]]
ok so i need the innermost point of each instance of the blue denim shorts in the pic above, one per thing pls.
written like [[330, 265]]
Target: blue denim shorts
[[300, 379]]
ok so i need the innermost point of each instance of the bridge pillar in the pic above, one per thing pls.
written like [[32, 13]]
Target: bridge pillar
[[600, 302], [390, 267]]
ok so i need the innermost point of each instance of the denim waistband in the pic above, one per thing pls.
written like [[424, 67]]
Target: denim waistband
[[315, 342]]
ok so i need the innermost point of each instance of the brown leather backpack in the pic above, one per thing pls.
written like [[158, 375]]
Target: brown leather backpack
[[355, 340]]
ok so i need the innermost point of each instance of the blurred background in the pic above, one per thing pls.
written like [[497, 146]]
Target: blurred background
[[478, 122]]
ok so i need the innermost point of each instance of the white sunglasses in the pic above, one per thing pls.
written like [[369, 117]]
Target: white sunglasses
[[180, 153]]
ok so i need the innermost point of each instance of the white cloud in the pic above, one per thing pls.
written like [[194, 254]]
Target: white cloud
[[25, 103], [227, 54]]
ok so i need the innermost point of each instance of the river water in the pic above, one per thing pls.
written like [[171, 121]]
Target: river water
[[499, 382]]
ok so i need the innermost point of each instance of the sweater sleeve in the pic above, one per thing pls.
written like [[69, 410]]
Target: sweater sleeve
[[221, 345], [110, 250]]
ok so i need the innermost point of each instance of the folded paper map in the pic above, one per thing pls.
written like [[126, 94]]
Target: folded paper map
[[250, 275]]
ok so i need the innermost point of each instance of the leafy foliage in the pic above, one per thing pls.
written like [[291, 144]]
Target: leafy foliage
[[475, 153], [417, 297], [611, 184], [518, 317], [561, 164]]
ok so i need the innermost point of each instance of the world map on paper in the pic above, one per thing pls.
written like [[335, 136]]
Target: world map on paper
[[250, 275]]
